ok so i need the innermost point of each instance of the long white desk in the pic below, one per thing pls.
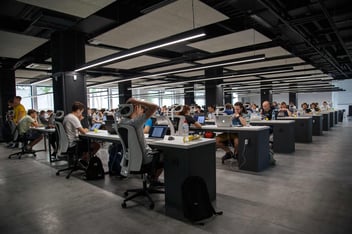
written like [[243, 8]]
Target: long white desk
[[180, 161], [283, 134], [255, 155]]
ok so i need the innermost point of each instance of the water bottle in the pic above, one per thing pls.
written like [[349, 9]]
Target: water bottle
[[273, 115], [185, 128]]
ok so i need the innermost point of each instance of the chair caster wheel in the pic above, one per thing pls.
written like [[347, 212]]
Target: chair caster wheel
[[125, 194], [124, 205], [57, 173], [151, 206]]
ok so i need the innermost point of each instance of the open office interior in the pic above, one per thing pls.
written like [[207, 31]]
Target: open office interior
[[205, 52]]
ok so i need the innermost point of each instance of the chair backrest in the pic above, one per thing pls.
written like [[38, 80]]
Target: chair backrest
[[132, 150], [62, 140]]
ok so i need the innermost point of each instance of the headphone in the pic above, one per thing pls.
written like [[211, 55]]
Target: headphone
[[125, 110]]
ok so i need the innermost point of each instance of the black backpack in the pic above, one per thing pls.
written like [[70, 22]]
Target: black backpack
[[95, 169], [196, 201]]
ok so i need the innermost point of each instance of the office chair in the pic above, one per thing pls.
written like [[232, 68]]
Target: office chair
[[22, 139], [63, 149], [132, 164]]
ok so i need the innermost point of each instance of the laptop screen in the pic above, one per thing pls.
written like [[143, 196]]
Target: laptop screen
[[95, 126], [157, 131], [201, 119]]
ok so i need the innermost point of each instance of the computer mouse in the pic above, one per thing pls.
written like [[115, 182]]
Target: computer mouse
[[170, 138]]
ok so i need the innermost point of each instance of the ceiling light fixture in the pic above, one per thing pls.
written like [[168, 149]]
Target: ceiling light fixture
[[135, 51]]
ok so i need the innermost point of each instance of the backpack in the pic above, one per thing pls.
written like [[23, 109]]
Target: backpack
[[195, 200], [115, 157], [95, 169]]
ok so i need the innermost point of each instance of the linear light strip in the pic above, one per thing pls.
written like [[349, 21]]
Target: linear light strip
[[140, 51], [41, 81]]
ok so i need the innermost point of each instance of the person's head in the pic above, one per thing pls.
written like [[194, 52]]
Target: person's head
[[325, 103], [77, 108], [266, 106], [313, 105], [239, 108], [185, 110], [304, 106], [254, 106], [283, 105], [228, 106], [32, 113], [42, 113], [211, 108], [17, 100]]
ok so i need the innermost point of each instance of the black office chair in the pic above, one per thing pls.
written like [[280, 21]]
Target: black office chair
[[63, 149], [23, 140], [132, 164]]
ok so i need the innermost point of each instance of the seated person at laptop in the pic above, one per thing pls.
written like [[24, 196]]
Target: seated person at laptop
[[238, 119], [141, 113], [147, 125], [186, 113], [284, 111], [30, 120], [73, 127]]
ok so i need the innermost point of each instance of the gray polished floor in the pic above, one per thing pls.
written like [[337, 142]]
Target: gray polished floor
[[309, 191]]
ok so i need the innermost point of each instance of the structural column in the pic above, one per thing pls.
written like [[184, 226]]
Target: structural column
[[214, 94], [292, 98], [125, 91], [189, 94], [7, 90], [68, 53], [266, 94]]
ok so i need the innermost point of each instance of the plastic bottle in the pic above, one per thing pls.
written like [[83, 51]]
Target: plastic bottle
[[185, 128], [273, 115]]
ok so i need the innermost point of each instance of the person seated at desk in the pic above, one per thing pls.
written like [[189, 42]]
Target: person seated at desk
[[325, 106], [305, 108], [30, 120], [211, 112], [239, 119], [142, 111], [73, 127], [314, 107], [267, 110], [43, 117], [190, 120], [228, 109], [284, 111]]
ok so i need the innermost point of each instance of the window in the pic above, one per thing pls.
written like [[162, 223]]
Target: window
[[45, 100], [25, 91], [98, 98]]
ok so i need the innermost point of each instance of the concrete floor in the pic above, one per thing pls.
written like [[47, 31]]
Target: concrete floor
[[309, 191]]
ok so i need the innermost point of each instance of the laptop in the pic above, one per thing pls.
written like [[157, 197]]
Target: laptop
[[223, 120], [157, 132], [95, 126], [201, 119]]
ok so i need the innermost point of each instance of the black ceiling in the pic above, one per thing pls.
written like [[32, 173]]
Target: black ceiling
[[317, 31]]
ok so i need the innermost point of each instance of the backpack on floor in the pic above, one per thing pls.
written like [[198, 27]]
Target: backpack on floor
[[95, 169], [196, 201], [115, 157]]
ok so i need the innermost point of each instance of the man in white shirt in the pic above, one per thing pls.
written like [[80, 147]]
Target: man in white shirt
[[73, 127]]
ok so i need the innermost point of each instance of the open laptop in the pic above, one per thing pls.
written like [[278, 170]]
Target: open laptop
[[223, 120], [201, 119], [157, 132], [95, 126]]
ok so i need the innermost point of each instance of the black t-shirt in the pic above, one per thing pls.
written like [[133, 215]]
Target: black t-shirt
[[189, 119], [267, 114]]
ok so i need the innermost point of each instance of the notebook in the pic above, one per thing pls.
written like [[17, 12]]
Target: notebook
[[157, 132], [223, 120], [95, 126]]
